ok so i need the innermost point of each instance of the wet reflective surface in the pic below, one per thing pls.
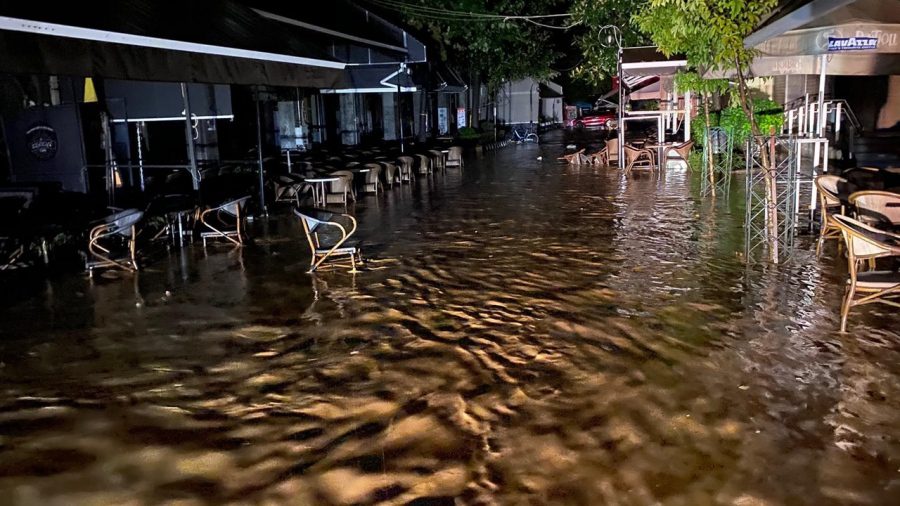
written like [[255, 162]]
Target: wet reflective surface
[[531, 333]]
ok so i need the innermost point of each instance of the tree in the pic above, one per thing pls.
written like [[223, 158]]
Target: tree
[[601, 57], [711, 33], [492, 49], [705, 88]]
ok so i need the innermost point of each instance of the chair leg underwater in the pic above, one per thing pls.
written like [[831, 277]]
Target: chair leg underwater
[[845, 307]]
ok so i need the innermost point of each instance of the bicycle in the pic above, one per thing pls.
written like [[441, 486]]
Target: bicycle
[[522, 134]]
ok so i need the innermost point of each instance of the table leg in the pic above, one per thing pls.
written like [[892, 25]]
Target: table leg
[[180, 231]]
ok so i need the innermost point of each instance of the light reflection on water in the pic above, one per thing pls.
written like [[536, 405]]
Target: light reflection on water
[[539, 334]]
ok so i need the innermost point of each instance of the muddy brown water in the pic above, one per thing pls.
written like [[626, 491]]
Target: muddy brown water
[[531, 333]]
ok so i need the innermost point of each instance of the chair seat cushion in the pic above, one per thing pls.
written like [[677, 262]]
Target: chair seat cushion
[[878, 279]]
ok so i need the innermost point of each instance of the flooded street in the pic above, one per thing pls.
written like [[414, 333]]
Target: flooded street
[[530, 333]]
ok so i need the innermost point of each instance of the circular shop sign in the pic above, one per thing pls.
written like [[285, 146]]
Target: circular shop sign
[[41, 142]]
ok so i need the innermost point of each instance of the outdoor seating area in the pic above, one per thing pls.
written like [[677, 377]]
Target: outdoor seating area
[[324, 178], [866, 218], [645, 154]]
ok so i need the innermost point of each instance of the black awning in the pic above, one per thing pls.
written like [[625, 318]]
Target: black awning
[[159, 41], [157, 101], [352, 34], [379, 79]]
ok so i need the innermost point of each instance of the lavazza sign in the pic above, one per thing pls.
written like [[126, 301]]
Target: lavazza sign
[[852, 43]]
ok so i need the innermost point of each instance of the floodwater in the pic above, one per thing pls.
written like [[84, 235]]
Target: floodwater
[[530, 333]]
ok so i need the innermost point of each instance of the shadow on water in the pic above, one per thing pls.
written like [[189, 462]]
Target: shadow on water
[[540, 334]]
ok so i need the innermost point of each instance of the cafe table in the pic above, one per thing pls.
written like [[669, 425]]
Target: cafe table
[[319, 190]]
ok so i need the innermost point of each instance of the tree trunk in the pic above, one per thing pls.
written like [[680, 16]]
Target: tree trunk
[[767, 161], [475, 90], [709, 147]]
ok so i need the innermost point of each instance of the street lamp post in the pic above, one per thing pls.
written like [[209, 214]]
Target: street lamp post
[[614, 36]]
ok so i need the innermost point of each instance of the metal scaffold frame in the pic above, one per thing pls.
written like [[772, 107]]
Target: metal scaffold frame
[[719, 144], [757, 219]]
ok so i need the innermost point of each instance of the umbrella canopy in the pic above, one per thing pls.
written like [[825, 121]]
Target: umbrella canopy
[[857, 38]]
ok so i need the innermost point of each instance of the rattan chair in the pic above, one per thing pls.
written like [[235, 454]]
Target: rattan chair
[[373, 179], [391, 173], [829, 204], [682, 151], [880, 209], [340, 191], [113, 242], [601, 157], [424, 164], [637, 158], [328, 239], [576, 158], [455, 157], [867, 243], [405, 164], [437, 159], [612, 148], [289, 188], [225, 221]]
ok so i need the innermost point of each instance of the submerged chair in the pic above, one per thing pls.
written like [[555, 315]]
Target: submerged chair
[[328, 240], [877, 208], [373, 179], [424, 164], [637, 158], [612, 149], [867, 243], [830, 204], [405, 163], [289, 188], [601, 157], [112, 243], [341, 190], [576, 158], [391, 173], [437, 159], [455, 157], [682, 151], [225, 221]]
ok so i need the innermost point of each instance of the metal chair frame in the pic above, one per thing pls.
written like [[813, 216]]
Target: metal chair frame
[[633, 156], [828, 203], [233, 208], [865, 243], [336, 255], [122, 224]]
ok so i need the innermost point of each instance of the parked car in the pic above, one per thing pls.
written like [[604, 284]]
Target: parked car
[[598, 118]]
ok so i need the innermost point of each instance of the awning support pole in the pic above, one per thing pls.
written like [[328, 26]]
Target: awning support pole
[[399, 109], [621, 126], [140, 151], [820, 113], [687, 116], [259, 157], [189, 132]]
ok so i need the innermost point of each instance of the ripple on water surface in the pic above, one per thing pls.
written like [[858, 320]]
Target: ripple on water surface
[[538, 334]]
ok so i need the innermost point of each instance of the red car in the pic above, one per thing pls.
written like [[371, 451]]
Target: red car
[[598, 118]]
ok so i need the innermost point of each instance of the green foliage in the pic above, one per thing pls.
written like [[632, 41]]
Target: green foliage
[[768, 114], [600, 56], [692, 81], [468, 133], [710, 33], [495, 49]]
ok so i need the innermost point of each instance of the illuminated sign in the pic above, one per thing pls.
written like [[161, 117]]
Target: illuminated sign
[[852, 43]]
